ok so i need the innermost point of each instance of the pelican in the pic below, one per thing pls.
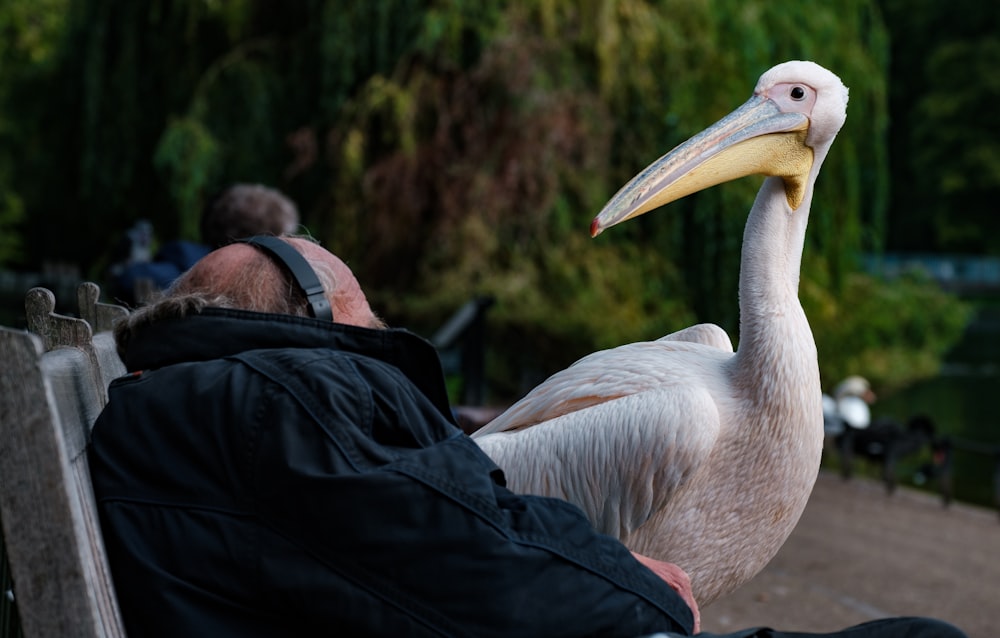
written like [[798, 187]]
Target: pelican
[[685, 450]]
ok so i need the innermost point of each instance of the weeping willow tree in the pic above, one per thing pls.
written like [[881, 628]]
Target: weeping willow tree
[[945, 144], [493, 166], [152, 106], [454, 148], [28, 36]]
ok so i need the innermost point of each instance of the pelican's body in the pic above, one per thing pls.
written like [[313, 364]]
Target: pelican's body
[[687, 451]]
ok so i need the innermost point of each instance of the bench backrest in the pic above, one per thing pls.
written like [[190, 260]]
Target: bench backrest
[[53, 385]]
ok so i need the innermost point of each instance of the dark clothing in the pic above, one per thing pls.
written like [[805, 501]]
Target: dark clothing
[[172, 260], [882, 628], [266, 475]]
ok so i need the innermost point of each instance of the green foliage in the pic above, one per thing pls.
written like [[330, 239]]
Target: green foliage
[[29, 33], [944, 141], [502, 156], [963, 164], [11, 216], [675, 67], [186, 157], [450, 149], [893, 332], [137, 89]]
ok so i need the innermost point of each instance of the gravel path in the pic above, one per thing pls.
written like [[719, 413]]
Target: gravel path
[[858, 554]]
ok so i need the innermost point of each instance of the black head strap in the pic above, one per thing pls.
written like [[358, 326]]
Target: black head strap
[[302, 272]]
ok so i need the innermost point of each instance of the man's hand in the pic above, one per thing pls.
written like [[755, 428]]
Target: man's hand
[[677, 579]]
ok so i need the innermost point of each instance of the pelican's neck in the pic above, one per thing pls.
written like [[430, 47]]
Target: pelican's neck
[[772, 251], [776, 347]]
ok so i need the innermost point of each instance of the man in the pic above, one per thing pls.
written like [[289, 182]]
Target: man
[[262, 472]]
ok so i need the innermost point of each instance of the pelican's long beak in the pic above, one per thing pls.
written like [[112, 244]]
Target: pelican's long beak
[[755, 139]]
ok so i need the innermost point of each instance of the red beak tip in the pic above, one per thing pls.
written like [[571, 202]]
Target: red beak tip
[[595, 229]]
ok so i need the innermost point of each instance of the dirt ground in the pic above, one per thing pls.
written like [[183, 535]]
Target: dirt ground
[[859, 554]]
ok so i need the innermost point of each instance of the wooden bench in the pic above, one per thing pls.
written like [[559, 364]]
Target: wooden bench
[[53, 385]]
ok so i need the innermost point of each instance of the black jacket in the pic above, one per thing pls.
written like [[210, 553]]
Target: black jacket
[[267, 475]]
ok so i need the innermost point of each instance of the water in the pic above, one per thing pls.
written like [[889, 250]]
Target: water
[[963, 402]]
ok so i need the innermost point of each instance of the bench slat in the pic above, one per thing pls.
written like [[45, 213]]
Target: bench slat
[[101, 316], [61, 577]]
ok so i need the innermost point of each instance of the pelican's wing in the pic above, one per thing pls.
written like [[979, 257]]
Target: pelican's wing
[[620, 461], [707, 334], [605, 376]]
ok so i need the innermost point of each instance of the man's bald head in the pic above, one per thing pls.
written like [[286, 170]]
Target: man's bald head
[[250, 279]]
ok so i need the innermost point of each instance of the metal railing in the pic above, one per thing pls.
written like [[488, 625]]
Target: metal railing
[[886, 452]]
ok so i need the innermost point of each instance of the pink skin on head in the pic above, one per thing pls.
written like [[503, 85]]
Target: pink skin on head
[[350, 306], [217, 270]]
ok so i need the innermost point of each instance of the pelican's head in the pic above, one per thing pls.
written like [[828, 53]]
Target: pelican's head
[[795, 112]]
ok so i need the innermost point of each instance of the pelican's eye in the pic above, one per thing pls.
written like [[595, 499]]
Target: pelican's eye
[[798, 93]]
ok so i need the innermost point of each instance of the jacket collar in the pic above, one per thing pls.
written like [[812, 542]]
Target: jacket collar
[[215, 333]]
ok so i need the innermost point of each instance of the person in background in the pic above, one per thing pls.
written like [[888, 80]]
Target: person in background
[[267, 469], [245, 210], [238, 211]]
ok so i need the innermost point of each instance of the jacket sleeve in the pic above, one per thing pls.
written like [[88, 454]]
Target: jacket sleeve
[[430, 537]]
